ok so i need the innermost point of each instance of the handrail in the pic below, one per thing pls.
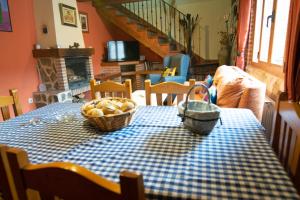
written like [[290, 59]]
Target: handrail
[[172, 7], [159, 15]]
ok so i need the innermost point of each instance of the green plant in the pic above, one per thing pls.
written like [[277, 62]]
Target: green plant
[[189, 24], [227, 37]]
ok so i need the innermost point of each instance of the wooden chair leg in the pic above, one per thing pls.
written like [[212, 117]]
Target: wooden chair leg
[[17, 159], [132, 186], [5, 188], [148, 92]]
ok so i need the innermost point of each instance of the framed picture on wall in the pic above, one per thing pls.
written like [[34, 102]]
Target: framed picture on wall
[[84, 21], [68, 15], [5, 23]]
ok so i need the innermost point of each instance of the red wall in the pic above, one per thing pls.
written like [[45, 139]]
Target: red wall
[[98, 34], [17, 66]]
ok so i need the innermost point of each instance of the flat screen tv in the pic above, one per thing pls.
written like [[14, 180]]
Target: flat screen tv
[[123, 51]]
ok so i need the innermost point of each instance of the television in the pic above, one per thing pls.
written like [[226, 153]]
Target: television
[[123, 51]]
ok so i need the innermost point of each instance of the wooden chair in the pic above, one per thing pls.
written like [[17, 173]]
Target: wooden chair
[[111, 87], [173, 89], [6, 101], [5, 188], [68, 181], [285, 138]]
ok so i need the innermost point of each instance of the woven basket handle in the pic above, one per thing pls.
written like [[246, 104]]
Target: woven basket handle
[[188, 94]]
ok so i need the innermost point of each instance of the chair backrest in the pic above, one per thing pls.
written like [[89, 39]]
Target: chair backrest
[[172, 89], [12, 100], [112, 88], [5, 188], [68, 181], [285, 138], [181, 61]]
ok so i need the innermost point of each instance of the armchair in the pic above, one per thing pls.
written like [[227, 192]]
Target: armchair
[[181, 62]]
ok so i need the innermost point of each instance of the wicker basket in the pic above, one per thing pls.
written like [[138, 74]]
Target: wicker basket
[[111, 122]]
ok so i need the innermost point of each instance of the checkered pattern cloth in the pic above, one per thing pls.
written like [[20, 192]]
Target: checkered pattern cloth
[[233, 162]]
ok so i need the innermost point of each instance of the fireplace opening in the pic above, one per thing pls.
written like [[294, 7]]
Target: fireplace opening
[[78, 72]]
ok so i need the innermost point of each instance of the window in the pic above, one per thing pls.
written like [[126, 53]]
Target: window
[[271, 21]]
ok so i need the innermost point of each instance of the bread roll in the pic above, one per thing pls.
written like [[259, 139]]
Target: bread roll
[[88, 107], [95, 112], [127, 106], [117, 111], [108, 109]]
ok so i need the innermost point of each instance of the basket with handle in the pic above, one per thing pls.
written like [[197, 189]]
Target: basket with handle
[[197, 115]]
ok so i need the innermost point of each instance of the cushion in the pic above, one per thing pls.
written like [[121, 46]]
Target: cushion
[[253, 98], [224, 75], [208, 81], [201, 90], [169, 72], [229, 94], [213, 95]]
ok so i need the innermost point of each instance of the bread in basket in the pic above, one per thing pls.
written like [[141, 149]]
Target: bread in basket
[[109, 114]]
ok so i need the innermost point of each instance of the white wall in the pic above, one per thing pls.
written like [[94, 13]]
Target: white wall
[[211, 13], [43, 13], [47, 13], [67, 35]]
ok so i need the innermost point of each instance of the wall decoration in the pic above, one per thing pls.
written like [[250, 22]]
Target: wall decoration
[[84, 22], [5, 23], [68, 15]]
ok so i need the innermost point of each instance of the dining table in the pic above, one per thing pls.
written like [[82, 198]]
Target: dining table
[[234, 161]]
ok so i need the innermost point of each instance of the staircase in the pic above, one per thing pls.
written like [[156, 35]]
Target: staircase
[[154, 23]]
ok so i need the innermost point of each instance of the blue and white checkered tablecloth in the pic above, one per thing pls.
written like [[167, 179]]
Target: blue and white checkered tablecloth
[[232, 162]]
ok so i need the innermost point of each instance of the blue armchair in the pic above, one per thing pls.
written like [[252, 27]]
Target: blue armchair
[[181, 62]]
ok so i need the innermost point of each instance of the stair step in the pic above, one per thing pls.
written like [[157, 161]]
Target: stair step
[[163, 40], [173, 46], [119, 13], [109, 7], [152, 33], [137, 30], [141, 27], [131, 21]]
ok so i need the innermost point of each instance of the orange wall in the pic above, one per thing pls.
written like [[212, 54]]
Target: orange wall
[[97, 36], [17, 66]]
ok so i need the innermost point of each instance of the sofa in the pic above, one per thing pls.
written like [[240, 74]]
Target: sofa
[[237, 89]]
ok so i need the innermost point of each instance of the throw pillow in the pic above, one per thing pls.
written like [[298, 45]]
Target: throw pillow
[[229, 94], [208, 81], [253, 97], [213, 94], [168, 71]]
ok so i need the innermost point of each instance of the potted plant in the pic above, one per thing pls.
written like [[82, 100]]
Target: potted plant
[[189, 24], [226, 42]]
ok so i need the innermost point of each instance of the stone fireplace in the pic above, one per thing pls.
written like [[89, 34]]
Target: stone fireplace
[[63, 74]]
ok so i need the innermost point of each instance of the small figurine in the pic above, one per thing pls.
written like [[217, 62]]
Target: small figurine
[[75, 45]]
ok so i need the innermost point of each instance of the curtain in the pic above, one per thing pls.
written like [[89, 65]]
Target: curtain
[[243, 31], [292, 54]]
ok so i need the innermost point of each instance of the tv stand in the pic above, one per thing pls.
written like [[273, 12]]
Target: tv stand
[[127, 70], [120, 63]]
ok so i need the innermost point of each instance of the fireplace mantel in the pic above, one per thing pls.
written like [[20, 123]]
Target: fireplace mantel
[[62, 52]]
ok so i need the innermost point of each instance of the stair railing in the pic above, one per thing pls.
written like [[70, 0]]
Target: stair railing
[[161, 16]]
